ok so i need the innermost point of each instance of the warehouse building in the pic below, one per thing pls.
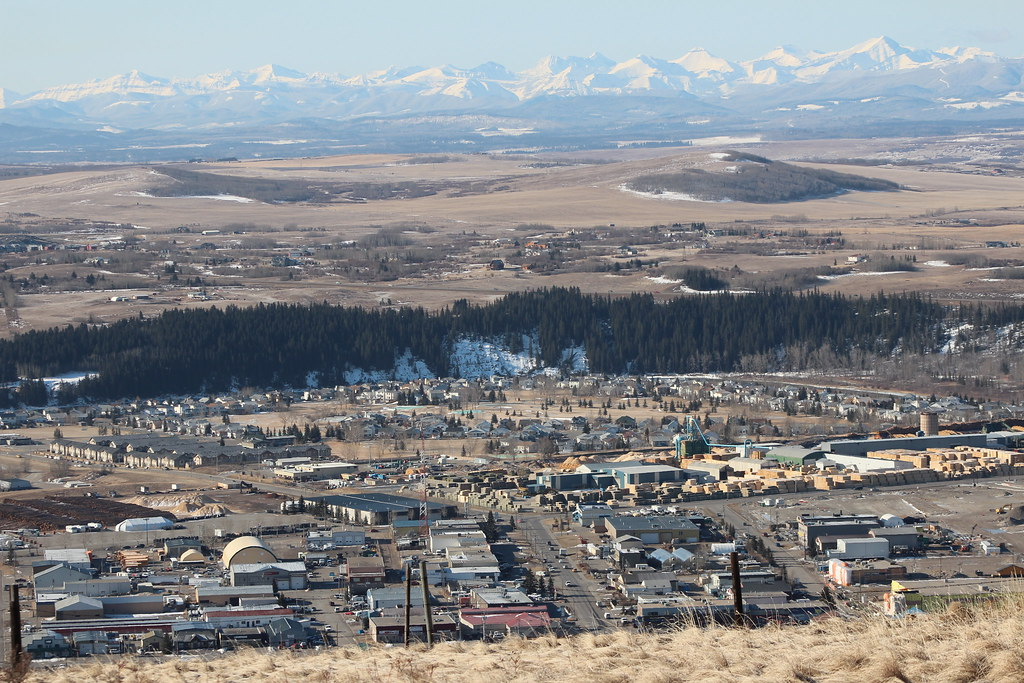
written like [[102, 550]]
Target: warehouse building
[[281, 575], [661, 529], [316, 471], [810, 527], [601, 475], [900, 538], [231, 595], [860, 549], [381, 508], [364, 573], [861, 447]]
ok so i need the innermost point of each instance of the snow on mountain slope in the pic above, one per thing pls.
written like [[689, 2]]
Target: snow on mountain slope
[[704, 64], [883, 76], [877, 54], [131, 83]]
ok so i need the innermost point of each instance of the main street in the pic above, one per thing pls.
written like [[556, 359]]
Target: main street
[[582, 596]]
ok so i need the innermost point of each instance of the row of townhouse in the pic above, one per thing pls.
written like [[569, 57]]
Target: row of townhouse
[[171, 452]]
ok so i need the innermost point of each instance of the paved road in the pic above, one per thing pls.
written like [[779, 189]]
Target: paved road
[[582, 596]]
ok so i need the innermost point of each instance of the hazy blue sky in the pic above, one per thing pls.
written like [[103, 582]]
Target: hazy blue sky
[[52, 42]]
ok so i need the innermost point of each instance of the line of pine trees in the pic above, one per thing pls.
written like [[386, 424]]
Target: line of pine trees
[[277, 345]]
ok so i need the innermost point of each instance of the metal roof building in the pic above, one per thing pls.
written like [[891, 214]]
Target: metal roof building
[[247, 550], [662, 529]]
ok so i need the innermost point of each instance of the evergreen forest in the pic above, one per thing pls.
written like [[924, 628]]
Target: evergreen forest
[[278, 345]]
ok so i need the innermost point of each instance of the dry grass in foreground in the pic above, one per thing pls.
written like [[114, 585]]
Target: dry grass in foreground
[[963, 644]]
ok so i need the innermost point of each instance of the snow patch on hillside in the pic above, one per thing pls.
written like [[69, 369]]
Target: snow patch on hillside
[[953, 339], [476, 357], [54, 382], [575, 359], [406, 369], [672, 196]]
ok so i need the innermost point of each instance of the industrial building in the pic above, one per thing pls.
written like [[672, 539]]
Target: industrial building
[[364, 573], [591, 514], [280, 575], [861, 447], [390, 598], [231, 595], [860, 549], [844, 573], [810, 527], [661, 529], [900, 538], [316, 471], [601, 475], [380, 508]]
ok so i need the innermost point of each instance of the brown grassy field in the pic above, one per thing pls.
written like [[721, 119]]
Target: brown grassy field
[[959, 646], [483, 198]]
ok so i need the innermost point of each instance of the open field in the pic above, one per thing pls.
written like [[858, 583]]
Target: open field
[[553, 220]]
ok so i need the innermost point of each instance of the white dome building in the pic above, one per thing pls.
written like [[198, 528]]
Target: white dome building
[[247, 550], [891, 520]]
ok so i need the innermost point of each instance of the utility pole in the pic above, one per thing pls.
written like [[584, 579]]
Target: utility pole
[[3, 587], [737, 589], [429, 622], [17, 654], [408, 600]]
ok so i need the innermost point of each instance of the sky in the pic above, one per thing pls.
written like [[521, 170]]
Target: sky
[[46, 43]]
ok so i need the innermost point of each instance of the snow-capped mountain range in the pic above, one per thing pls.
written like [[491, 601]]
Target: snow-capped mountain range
[[874, 80]]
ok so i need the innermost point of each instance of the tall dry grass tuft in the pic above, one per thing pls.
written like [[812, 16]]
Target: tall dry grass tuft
[[964, 643]]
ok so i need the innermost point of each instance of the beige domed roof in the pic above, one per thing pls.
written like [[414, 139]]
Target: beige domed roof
[[191, 555], [247, 550]]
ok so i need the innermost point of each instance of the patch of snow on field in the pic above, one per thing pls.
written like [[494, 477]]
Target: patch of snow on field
[[221, 197], [475, 357], [725, 140], [672, 196], [689, 290], [884, 272], [937, 264], [663, 280]]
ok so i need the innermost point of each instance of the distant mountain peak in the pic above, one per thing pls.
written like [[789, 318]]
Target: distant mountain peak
[[700, 61], [276, 72], [869, 74]]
